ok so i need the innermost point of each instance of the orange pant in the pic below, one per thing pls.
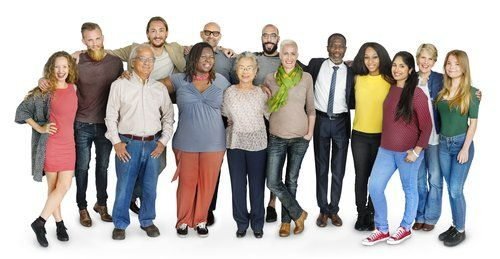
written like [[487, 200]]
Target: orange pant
[[197, 173]]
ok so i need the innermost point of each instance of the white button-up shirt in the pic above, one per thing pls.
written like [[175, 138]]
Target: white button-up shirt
[[322, 88], [139, 109]]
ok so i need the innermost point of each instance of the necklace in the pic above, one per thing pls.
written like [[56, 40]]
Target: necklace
[[201, 77]]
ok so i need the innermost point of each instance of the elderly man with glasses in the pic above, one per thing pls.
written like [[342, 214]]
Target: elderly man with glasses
[[139, 119]]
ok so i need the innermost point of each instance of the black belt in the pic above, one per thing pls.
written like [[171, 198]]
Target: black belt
[[334, 115], [143, 138]]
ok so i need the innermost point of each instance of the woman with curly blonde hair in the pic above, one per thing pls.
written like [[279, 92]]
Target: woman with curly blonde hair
[[51, 114]]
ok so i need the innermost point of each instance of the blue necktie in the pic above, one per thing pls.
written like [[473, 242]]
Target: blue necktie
[[332, 91]]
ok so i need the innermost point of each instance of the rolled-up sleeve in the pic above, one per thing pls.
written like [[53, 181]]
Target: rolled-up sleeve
[[112, 114]]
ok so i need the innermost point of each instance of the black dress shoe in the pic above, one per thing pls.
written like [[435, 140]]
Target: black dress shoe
[[39, 229], [118, 234], [151, 230], [241, 233], [369, 221], [210, 218], [360, 224], [447, 233], [134, 208], [271, 215], [454, 238], [258, 234], [62, 235]]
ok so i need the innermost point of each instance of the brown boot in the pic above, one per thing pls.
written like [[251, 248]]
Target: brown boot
[[103, 211], [85, 219], [285, 229], [299, 223]]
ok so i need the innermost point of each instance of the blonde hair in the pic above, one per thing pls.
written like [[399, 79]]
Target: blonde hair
[[429, 48], [461, 100], [50, 75]]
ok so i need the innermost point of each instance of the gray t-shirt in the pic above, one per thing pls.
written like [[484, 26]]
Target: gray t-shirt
[[200, 127]]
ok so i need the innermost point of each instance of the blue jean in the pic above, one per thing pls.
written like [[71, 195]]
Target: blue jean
[[251, 164], [455, 175], [85, 135], [142, 168], [385, 165], [430, 198], [293, 150]]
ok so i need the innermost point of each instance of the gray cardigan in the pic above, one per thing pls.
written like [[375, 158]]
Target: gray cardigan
[[38, 109]]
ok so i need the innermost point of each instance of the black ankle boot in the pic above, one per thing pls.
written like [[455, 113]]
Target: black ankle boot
[[62, 235], [38, 227]]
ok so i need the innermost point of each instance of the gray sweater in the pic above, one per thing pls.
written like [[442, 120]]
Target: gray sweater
[[38, 109]]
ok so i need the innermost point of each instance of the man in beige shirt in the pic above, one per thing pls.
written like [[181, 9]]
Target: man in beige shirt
[[139, 119]]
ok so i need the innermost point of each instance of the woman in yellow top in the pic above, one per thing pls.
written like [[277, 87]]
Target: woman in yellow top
[[372, 67]]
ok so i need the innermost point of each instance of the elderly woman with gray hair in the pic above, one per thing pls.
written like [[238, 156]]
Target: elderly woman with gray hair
[[246, 139], [291, 128]]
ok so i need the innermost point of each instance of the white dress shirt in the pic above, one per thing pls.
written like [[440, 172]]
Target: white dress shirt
[[139, 109], [322, 88]]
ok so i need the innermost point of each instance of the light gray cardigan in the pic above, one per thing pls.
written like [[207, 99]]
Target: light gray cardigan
[[38, 109]]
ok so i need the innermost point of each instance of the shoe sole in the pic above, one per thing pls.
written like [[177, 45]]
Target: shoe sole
[[63, 239], [203, 235], [366, 243], [396, 242]]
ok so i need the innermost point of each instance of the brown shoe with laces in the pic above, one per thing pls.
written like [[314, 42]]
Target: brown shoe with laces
[[103, 211], [322, 220], [336, 220], [427, 227], [85, 219], [417, 226], [299, 223], [285, 229]]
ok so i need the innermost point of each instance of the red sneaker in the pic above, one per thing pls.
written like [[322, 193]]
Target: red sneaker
[[401, 235], [376, 237]]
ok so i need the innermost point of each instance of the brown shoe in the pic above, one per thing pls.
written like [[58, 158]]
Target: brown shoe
[[417, 226], [336, 220], [322, 220], [285, 229], [103, 211], [427, 227], [85, 219], [299, 223], [118, 234]]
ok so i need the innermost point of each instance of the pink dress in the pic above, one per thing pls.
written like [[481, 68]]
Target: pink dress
[[60, 154]]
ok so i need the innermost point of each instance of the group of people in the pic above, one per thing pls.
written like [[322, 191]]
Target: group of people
[[263, 109]]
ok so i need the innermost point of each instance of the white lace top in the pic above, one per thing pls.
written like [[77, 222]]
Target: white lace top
[[245, 109]]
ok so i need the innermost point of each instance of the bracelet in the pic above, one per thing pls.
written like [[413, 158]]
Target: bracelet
[[415, 153]]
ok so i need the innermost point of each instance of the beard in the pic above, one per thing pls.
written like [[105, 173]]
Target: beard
[[96, 55], [269, 51], [157, 45]]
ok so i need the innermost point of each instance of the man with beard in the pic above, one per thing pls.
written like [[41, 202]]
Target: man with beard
[[96, 72], [169, 59], [333, 97]]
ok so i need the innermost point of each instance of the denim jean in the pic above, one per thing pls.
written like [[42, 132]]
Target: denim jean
[[141, 168], [429, 198], [293, 150], [385, 165], [455, 175], [85, 135]]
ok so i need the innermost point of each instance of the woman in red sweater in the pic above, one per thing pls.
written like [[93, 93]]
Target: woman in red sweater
[[406, 128]]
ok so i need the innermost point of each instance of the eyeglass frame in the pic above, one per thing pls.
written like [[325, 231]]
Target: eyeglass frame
[[209, 32]]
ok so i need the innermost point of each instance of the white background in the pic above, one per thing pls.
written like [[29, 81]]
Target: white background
[[32, 30]]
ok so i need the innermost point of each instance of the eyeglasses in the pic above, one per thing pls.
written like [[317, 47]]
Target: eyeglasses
[[214, 33], [145, 59], [246, 69], [270, 35]]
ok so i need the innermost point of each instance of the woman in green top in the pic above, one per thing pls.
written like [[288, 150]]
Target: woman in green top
[[458, 108]]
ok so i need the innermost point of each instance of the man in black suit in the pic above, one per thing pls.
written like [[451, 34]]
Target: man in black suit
[[333, 97]]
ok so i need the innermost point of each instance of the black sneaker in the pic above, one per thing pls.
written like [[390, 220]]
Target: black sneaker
[[360, 223], [202, 229], [271, 215], [454, 238], [39, 229], [241, 233], [182, 230], [210, 218], [443, 236], [369, 221], [62, 235]]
